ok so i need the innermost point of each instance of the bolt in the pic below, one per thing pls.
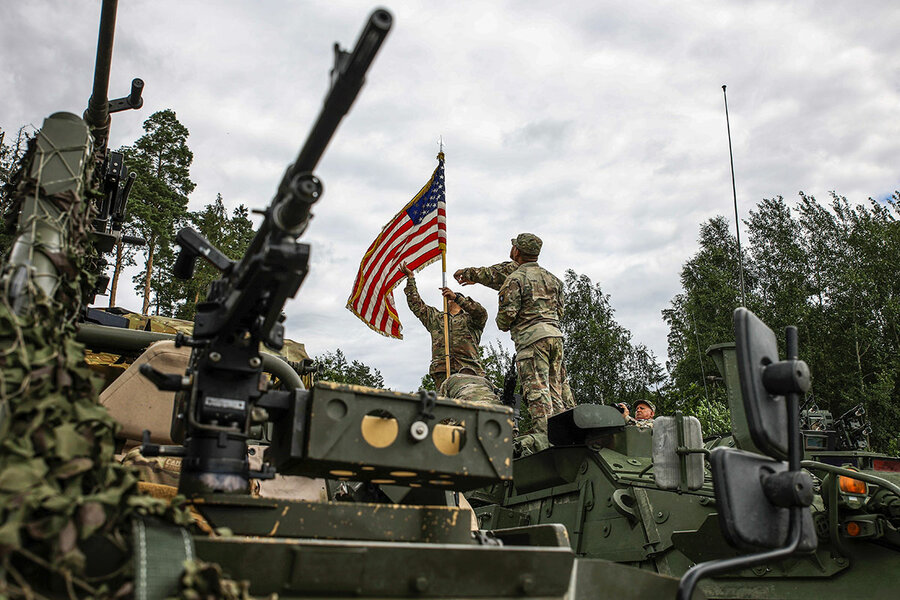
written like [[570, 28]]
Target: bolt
[[215, 357], [418, 431], [421, 583], [526, 582], [659, 514], [255, 362]]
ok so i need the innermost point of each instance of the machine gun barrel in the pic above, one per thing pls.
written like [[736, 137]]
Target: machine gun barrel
[[348, 77], [291, 209], [97, 113], [244, 307]]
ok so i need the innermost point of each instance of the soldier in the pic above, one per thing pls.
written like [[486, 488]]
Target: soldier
[[531, 306], [644, 412], [493, 277], [466, 323]]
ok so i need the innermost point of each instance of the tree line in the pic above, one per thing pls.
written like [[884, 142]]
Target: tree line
[[829, 268]]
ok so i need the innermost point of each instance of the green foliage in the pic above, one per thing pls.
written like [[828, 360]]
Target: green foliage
[[711, 410], [603, 364], [701, 315], [496, 361], [427, 383], [11, 152], [334, 366], [831, 270], [61, 488], [158, 203], [231, 235]]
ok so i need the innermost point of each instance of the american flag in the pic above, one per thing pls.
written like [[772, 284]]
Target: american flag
[[416, 235]]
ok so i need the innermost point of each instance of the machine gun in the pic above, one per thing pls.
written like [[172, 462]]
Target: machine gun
[[223, 394], [853, 429], [68, 163]]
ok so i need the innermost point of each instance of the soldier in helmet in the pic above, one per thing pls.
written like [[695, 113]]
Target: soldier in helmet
[[530, 308], [466, 323]]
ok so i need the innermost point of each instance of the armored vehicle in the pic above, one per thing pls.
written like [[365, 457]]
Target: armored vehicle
[[372, 479], [614, 492]]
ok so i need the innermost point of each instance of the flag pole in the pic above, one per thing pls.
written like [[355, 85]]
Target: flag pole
[[440, 156], [446, 313]]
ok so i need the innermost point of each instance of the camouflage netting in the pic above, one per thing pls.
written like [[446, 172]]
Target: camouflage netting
[[205, 581], [62, 495]]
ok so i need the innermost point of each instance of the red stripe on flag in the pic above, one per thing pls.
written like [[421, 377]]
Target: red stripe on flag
[[401, 240], [389, 272]]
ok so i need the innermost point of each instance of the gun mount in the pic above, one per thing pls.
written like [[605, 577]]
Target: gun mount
[[223, 392]]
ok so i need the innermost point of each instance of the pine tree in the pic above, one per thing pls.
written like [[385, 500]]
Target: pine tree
[[334, 366], [161, 160], [11, 152], [231, 235]]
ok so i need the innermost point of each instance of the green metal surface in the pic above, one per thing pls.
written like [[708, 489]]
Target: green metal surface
[[335, 443], [725, 357], [101, 338], [270, 517], [604, 579], [304, 568], [602, 489]]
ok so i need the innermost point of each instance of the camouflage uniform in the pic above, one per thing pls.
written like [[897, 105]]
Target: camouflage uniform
[[163, 470], [470, 388], [531, 307], [465, 333], [493, 277]]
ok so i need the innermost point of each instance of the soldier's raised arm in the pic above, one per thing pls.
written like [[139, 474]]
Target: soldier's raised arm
[[510, 303], [418, 307], [492, 277]]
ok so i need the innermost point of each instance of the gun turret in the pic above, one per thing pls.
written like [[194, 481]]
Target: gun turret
[[224, 396]]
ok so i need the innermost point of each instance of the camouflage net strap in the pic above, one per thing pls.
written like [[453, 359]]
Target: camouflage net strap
[[160, 550]]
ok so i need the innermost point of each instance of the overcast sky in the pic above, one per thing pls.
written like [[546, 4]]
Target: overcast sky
[[599, 126]]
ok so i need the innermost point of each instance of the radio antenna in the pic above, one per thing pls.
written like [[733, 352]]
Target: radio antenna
[[737, 223]]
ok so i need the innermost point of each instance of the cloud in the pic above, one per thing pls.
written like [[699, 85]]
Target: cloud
[[598, 125]]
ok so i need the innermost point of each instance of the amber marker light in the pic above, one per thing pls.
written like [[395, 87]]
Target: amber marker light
[[853, 486], [852, 528]]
